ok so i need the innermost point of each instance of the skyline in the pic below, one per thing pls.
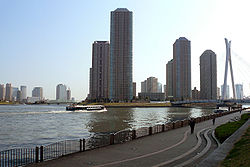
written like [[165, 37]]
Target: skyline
[[47, 43]]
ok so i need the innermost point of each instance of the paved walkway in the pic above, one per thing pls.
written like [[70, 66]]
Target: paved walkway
[[172, 148]]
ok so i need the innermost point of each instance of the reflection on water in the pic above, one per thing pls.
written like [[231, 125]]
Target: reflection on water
[[30, 125], [111, 121]]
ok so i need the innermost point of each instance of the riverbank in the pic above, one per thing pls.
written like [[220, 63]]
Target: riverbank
[[7, 103], [148, 105], [129, 105]]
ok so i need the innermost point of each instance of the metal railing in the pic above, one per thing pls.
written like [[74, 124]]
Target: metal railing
[[17, 157], [24, 156]]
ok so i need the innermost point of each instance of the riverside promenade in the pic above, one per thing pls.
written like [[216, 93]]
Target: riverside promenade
[[176, 147]]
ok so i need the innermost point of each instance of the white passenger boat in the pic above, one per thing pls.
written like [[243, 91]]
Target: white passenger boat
[[87, 108]]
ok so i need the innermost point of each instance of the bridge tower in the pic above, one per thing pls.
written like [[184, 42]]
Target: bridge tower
[[228, 60]]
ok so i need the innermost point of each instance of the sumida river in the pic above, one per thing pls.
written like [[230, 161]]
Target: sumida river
[[31, 125]]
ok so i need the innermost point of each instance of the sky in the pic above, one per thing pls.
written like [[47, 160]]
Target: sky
[[45, 43]]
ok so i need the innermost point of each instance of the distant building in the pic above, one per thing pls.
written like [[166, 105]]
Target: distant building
[[37, 92], [152, 85], [152, 96], [182, 69], [227, 91], [2, 92], [169, 79], [144, 86], [208, 75], [218, 93], [23, 92], [61, 92], [134, 89], [19, 94], [8, 92], [165, 90], [100, 70], [159, 87], [239, 91], [121, 55], [33, 99], [14, 93], [68, 94], [195, 94]]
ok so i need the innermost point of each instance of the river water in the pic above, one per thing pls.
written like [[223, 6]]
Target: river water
[[31, 125]]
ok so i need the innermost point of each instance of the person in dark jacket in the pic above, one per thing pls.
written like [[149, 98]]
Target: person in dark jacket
[[192, 124], [213, 120]]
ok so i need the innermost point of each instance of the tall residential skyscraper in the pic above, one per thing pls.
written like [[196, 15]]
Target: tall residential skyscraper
[[37, 92], [61, 92], [8, 92], [182, 69], [121, 55], [23, 93], [100, 70], [208, 75], [239, 91], [2, 92], [169, 79]]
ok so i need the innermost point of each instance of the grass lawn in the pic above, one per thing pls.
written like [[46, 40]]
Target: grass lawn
[[224, 131], [239, 156]]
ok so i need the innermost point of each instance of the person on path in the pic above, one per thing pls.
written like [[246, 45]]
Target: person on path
[[213, 120], [192, 124]]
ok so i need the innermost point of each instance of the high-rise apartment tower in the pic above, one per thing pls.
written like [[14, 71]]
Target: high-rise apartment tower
[[99, 88], [121, 55], [182, 69], [208, 75]]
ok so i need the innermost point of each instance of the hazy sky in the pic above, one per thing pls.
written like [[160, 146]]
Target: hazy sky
[[47, 42]]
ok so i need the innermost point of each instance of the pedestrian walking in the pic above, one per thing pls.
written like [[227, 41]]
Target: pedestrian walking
[[192, 124], [213, 120]]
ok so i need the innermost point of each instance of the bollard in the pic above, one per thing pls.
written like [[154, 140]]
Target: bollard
[[41, 154], [80, 145], [133, 134], [163, 128], [37, 154], [83, 145], [112, 138], [150, 130]]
